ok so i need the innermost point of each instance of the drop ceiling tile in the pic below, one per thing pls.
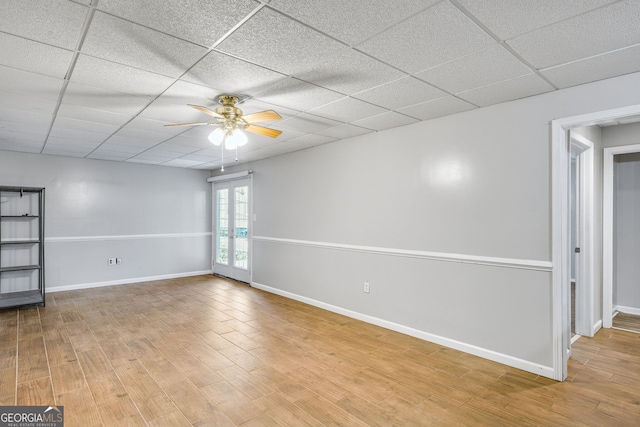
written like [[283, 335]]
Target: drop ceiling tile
[[158, 153], [297, 50], [116, 146], [190, 141], [183, 93], [599, 67], [511, 18], [119, 78], [207, 166], [65, 152], [508, 90], [131, 142], [140, 137], [175, 148], [144, 160], [448, 34], [182, 163], [200, 21], [298, 95], [200, 158], [350, 71], [27, 104], [30, 142], [29, 84], [232, 75], [35, 57], [344, 131], [127, 43], [55, 22], [70, 111], [212, 152], [308, 123], [308, 141], [385, 121], [281, 44], [23, 147], [109, 155], [437, 108], [602, 30], [251, 106], [174, 113], [351, 21], [400, 93], [22, 127], [149, 125], [61, 143], [347, 110], [104, 100], [84, 126], [486, 66], [30, 119], [78, 135]]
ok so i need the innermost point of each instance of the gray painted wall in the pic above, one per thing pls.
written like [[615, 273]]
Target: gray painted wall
[[476, 183], [156, 219]]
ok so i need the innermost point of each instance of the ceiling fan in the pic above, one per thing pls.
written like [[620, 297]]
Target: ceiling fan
[[231, 122]]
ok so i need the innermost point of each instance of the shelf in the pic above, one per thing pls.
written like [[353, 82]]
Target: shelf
[[20, 242], [20, 268], [21, 298]]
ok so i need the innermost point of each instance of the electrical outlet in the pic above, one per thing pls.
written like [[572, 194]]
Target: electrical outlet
[[111, 261], [366, 287], [118, 261]]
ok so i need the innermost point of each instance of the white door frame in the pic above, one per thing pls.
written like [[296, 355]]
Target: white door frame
[[248, 174], [585, 209], [561, 224], [607, 229]]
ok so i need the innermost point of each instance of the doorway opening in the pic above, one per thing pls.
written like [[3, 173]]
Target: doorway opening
[[561, 240]]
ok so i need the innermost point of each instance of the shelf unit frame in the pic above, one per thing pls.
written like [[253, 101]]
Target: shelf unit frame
[[31, 296]]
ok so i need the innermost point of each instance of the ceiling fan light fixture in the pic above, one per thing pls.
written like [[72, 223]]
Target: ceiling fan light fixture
[[236, 138], [216, 136]]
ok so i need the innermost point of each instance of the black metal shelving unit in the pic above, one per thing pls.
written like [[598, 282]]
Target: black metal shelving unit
[[21, 246]]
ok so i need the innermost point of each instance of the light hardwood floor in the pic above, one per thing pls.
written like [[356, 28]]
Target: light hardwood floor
[[208, 351]]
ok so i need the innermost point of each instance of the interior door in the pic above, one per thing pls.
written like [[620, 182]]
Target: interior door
[[232, 229]]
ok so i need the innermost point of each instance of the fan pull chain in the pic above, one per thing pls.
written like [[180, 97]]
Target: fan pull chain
[[222, 151], [236, 154]]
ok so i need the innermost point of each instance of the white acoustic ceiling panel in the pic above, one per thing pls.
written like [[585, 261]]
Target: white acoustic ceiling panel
[[101, 79], [131, 44], [439, 34]]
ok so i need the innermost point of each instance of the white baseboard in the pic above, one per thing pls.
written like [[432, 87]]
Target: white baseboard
[[627, 310], [545, 371], [124, 281]]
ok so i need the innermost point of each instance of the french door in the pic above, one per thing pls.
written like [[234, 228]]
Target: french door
[[232, 229]]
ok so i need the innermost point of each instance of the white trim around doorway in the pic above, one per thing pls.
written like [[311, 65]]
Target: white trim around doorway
[[560, 226]]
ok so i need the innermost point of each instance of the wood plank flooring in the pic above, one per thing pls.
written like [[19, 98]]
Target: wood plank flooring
[[204, 351], [628, 322]]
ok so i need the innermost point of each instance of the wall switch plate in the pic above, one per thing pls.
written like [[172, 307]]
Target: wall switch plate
[[366, 287], [111, 261]]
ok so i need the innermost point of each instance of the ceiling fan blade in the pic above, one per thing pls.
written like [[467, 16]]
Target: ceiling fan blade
[[264, 131], [262, 116], [189, 124], [206, 111]]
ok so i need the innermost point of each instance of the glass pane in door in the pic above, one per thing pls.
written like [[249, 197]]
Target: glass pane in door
[[222, 226], [241, 226]]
